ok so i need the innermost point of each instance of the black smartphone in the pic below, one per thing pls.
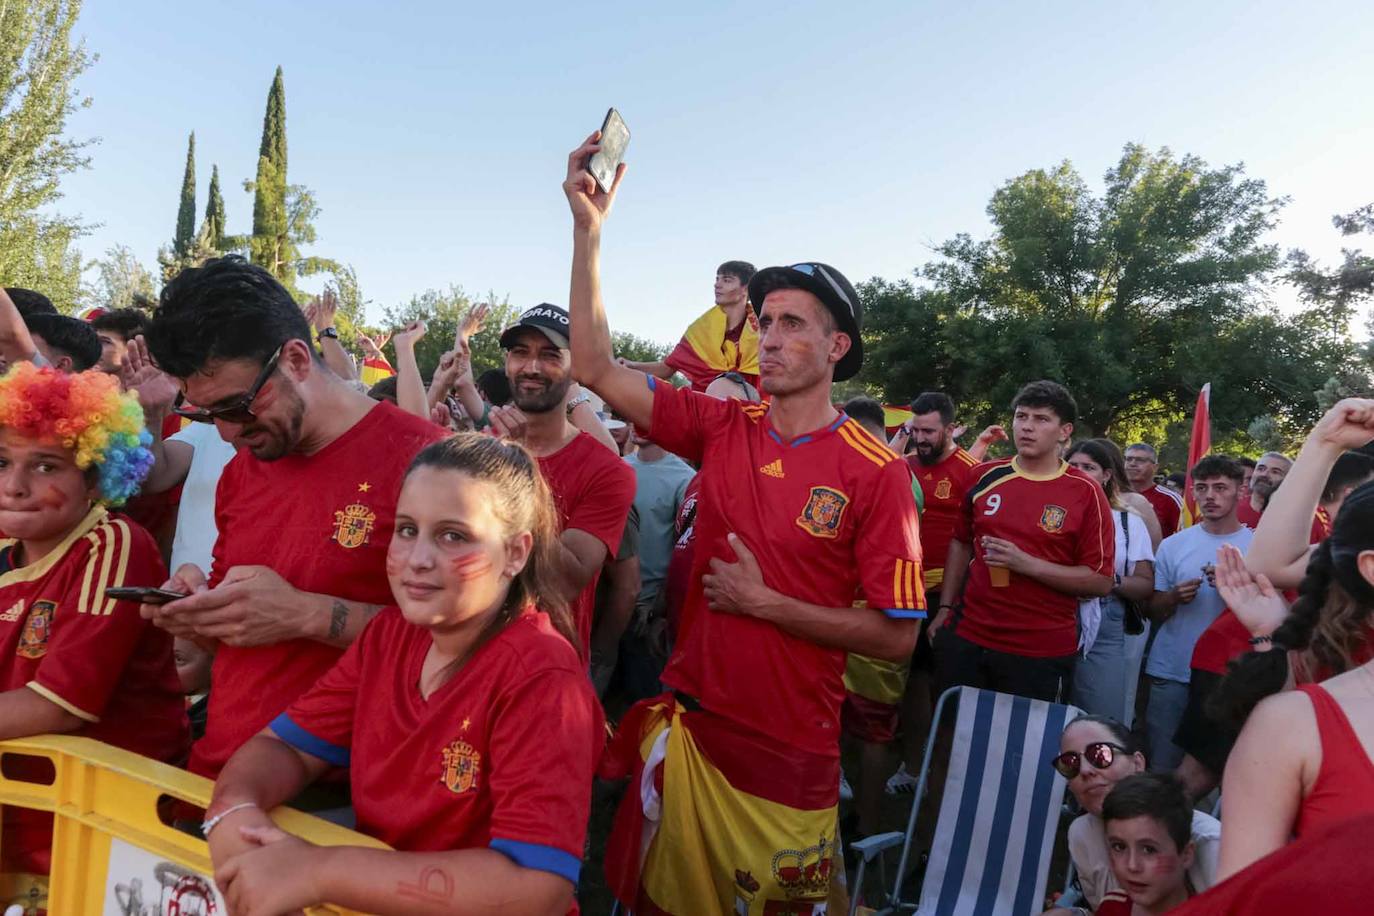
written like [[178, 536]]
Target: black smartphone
[[615, 136], [143, 594]]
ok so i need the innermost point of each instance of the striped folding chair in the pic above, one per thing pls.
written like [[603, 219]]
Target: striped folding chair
[[999, 813]]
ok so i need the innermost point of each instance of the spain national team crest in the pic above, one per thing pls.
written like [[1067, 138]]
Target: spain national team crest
[[1052, 519], [823, 512], [462, 766], [33, 639], [942, 489], [353, 525]]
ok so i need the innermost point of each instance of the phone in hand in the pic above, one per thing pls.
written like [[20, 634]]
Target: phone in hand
[[615, 137], [143, 594]]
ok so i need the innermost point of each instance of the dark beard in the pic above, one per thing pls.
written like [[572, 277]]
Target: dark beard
[[937, 451], [275, 448], [551, 398]]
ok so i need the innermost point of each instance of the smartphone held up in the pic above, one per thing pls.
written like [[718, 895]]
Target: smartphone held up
[[615, 137]]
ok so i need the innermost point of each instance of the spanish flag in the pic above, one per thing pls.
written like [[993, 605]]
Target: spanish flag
[[1198, 446], [706, 350], [374, 369]]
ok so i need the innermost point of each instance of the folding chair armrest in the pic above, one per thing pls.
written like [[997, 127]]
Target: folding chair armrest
[[871, 846]]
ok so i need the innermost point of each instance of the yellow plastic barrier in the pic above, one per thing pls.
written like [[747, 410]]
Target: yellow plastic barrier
[[111, 853]]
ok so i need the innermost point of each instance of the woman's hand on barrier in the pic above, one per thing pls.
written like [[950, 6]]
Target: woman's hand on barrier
[[274, 875]]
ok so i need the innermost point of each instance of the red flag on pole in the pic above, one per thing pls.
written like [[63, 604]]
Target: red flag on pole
[[1198, 446]]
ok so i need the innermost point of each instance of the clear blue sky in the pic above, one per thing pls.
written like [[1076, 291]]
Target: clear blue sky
[[435, 134]]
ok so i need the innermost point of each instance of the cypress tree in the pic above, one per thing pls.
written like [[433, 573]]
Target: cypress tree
[[186, 213], [214, 211], [271, 246]]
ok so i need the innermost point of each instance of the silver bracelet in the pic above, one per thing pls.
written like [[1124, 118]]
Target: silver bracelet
[[213, 822]]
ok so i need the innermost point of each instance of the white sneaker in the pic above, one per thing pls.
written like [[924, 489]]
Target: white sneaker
[[901, 782], [846, 792]]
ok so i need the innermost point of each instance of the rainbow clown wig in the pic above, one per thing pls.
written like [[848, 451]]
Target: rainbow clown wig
[[87, 413]]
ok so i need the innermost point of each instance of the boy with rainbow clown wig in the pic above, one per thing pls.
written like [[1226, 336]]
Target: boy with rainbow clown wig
[[72, 658]]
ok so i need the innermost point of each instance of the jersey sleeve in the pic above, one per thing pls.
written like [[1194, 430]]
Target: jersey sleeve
[[93, 636], [888, 547], [320, 721], [603, 507], [684, 420], [546, 738], [1097, 544]]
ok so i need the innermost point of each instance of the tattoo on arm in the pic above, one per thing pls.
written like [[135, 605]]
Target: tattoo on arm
[[338, 619]]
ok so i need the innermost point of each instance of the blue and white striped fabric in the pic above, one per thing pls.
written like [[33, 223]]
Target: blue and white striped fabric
[[1000, 809]]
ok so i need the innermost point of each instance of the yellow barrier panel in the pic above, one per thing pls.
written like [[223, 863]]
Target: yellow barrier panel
[[109, 847]]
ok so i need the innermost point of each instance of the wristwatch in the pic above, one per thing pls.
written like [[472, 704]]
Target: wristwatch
[[331, 333], [578, 401]]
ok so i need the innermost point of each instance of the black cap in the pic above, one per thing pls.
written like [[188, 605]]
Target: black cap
[[835, 292], [551, 320]]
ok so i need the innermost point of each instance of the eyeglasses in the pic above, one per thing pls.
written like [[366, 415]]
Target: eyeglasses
[[241, 411], [816, 270], [1101, 754]]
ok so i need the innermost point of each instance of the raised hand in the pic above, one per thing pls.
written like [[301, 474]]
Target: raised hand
[[1349, 424], [590, 205], [156, 390], [508, 422], [1253, 599], [410, 335], [471, 324], [320, 311]]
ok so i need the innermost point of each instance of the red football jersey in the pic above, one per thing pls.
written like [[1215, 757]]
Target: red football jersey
[[593, 489], [825, 514], [943, 485], [679, 575], [63, 638], [1246, 515], [501, 756], [1168, 507], [323, 523], [1061, 517]]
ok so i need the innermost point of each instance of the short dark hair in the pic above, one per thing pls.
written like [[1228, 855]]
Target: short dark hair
[[1046, 393], [1154, 795], [934, 402], [1246, 462], [1350, 470], [1181, 479], [224, 310], [29, 302], [1143, 446], [866, 410], [740, 270], [384, 390], [1123, 735], [127, 323], [495, 387], [70, 336], [1217, 466]]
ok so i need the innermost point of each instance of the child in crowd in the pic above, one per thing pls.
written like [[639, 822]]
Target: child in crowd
[[465, 716], [1149, 835], [72, 658]]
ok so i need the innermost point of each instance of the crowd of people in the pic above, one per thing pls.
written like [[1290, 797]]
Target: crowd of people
[[441, 612]]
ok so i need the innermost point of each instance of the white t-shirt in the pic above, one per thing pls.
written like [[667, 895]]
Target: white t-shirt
[[1090, 609], [196, 531], [1088, 849]]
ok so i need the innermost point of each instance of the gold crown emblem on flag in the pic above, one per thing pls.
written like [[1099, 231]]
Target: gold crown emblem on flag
[[804, 872]]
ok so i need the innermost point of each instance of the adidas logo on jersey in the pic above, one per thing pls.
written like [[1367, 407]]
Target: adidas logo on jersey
[[773, 468], [14, 613]]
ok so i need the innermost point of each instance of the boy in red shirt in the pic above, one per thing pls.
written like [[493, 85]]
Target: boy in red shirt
[[1039, 535], [73, 658]]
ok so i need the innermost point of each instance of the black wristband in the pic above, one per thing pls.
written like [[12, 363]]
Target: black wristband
[[331, 333]]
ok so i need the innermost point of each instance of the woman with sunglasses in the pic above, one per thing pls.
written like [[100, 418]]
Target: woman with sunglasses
[[1097, 752], [1102, 676]]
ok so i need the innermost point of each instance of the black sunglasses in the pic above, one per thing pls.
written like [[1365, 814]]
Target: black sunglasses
[[241, 411], [816, 270], [1100, 754]]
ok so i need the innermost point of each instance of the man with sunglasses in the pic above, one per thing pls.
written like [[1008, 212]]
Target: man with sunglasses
[[801, 510], [304, 510]]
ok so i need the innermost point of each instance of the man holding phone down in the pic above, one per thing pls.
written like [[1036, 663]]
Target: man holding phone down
[[801, 511]]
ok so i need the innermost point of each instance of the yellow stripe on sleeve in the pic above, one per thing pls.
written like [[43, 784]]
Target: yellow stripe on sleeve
[[51, 697]]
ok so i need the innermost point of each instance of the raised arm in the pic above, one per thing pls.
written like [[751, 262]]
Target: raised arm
[[410, 388], [16, 344], [156, 395], [1279, 550], [594, 363], [320, 313]]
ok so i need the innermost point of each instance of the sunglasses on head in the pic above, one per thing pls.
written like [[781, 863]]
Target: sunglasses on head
[[1101, 754], [816, 270], [241, 410]]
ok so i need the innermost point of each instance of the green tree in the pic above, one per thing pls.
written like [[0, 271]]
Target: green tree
[[39, 65], [271, 244], [214, 210], [637, 349], [186, 212], [441, 311], [124, 282], [1133, 299]]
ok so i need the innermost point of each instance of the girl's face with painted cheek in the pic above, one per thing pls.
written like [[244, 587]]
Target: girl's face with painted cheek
[[451, 558], [1147, 863], [43, 494]]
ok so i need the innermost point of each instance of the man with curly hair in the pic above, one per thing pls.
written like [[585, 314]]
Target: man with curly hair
[[72, 658]]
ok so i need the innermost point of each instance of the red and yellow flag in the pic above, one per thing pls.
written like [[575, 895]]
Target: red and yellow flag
[[706, 350], [1198, 446], [374, 369]]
